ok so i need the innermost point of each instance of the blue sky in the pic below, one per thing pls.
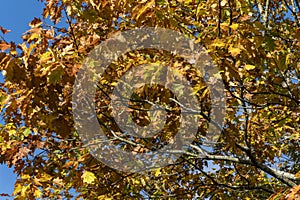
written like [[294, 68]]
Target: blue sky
[[15, 16]]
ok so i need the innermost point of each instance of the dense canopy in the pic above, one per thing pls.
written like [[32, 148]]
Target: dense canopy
[[255, 46]]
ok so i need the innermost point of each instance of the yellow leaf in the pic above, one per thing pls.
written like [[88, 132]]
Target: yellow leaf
[[217, 75], [143, 182], [297, 174], [249, 67], [144, 8], [31, 47], [45, 178], [197, 88], [34, 36], [18, 189], [234, 27], [24, 189], [204, 93], [14, 52], [218, 43], [37, 193], [104, 197], [45, 56], [234, 51], [288, 59], [157, 172], [114, 84], [12, 132], [88, 177], [25, 176], [224, 24]]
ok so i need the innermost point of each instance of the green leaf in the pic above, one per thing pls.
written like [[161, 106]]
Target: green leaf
[[56, 75], [26, 132]]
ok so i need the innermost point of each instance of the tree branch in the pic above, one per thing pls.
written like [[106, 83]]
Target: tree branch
[[285, 177]]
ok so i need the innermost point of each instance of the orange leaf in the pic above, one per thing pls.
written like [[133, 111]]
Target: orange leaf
[[4, 45]]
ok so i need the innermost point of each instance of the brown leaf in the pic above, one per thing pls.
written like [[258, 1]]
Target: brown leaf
[[23, 151], [35, 22], [3, 30]]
